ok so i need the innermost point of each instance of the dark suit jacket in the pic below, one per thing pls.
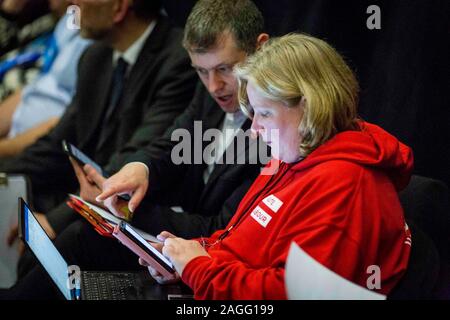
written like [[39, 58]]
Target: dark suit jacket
[[158, 88], [206, 207]]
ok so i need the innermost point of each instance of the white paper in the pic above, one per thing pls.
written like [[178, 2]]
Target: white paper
[[113, 220], [307, 279]]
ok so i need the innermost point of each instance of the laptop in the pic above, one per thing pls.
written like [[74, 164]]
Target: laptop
[[88, 285]]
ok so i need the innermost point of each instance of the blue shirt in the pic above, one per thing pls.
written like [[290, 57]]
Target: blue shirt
[[49, 94]]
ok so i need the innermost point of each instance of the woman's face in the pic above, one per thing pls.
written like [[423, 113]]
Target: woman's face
[[277, 125]]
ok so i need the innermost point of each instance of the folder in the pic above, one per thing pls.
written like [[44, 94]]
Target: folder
[[102, 220], [100, 224]]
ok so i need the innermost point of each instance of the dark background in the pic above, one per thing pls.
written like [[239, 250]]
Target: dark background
[[402, 68]]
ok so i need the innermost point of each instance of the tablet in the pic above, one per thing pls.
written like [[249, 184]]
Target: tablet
[[83, 159], [136, 243], [80, 157]]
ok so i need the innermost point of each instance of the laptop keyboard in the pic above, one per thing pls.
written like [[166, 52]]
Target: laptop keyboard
[[107, 286]]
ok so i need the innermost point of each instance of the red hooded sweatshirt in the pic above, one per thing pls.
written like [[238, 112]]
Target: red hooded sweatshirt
[[339, 204]]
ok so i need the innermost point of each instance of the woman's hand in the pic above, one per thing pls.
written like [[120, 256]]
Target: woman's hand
[[155, 274], [158, 276], [181, 251]]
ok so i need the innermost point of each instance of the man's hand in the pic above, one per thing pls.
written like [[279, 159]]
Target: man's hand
[[43, 221], [131, 179], [89, 189], [14, 232], [13, 235]]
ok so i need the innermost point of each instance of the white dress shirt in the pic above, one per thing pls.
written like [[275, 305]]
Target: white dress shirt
[[230, 126]]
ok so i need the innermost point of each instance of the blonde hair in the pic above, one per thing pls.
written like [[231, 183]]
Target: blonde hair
[[288, 68]]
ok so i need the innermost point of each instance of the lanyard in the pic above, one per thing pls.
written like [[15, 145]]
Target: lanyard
[[268, 186]]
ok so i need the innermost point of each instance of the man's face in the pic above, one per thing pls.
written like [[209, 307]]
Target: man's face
[[215, 69], [96, 18]]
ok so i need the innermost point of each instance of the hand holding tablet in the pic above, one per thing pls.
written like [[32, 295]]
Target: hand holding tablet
[[132, 240]]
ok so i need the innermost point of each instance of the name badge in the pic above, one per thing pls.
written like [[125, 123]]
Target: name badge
[[273, 203], [261, 216]]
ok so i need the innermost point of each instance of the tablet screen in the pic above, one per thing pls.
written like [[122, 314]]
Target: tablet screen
[[158, 256], [45, 251], [78, 154]]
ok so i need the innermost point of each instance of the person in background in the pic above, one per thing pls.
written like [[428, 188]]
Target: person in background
[[334, 194], [34, 110], [23, 12], [190, 198], [12, 7], [132, 83], [18, 18], [218, 35]]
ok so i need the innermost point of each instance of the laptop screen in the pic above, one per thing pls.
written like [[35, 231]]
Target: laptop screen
[[45, 251]]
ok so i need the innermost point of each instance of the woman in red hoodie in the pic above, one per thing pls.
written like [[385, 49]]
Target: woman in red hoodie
[[331, 186]]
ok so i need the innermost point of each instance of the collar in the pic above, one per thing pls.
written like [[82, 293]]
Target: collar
[[132, 53], [237, 118]]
